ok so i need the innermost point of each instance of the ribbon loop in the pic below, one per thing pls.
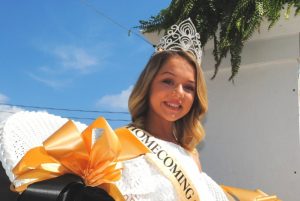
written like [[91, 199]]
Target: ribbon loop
[[69, 151]]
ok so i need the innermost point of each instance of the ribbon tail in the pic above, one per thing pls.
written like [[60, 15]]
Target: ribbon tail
[[131, 146], [113, 191]]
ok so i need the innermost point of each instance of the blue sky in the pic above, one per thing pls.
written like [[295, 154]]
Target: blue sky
[[66, 54]]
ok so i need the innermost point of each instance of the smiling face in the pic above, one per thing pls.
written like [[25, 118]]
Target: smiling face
[[172, 91]]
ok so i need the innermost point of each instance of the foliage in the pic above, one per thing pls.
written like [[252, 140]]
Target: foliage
[[229, 23]]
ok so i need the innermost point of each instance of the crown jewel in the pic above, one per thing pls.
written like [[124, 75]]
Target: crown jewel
[[184, 37]]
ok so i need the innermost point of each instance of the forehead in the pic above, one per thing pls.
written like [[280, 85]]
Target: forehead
[[178, 66]]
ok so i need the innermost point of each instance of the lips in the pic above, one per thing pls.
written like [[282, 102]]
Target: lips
[[173, 106]]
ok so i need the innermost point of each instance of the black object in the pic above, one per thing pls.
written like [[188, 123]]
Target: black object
[[5, 192], [67, 187]]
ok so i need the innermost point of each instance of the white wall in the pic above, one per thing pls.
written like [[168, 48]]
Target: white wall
[[253, 125]]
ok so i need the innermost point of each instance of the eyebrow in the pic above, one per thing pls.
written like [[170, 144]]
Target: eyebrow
[[167, 72]]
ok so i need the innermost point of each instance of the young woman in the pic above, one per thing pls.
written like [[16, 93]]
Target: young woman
[[167, 104]]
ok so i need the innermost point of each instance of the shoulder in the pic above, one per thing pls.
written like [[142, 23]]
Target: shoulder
[[196, 157]]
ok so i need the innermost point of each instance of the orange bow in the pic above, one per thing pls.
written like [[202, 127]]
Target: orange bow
[[69, 151]]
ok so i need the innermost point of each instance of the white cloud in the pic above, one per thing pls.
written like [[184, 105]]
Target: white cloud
[[116, 101], [3, 98], [74, 58], [66, 64], [54, 83], [6, 110]]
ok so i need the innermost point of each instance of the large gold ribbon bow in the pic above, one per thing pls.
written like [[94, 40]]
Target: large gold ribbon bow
[[69, 151]]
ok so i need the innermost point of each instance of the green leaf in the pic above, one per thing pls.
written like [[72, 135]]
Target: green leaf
[[228, 22]]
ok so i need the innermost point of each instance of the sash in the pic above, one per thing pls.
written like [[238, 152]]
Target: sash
[[166, 163]]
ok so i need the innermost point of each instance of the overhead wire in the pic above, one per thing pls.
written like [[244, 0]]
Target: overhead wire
[[129, 31], [66, 110], [88, 118]]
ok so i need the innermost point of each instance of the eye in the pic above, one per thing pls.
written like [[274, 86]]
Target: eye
[[189, 88], [168, 81]]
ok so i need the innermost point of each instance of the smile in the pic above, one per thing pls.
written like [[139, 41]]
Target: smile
[[173, 106]]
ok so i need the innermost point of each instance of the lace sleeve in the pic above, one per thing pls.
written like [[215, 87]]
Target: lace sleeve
[[214, 188], [142, 181]]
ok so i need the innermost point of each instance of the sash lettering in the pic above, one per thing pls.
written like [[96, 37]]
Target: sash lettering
[[167, 161]]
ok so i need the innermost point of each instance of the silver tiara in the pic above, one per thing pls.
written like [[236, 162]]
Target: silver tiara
[[184, 37]]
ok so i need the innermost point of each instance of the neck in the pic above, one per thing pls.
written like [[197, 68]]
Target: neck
[[160, 129]]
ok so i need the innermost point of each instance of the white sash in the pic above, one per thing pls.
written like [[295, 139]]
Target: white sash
[[167, 164]]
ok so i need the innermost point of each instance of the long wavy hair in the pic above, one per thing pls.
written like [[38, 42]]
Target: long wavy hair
[[189, 128]]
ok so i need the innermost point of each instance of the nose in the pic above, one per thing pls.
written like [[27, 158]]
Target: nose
[[178, 91]]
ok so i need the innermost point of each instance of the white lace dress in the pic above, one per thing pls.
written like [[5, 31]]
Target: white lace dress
[[143, 181]]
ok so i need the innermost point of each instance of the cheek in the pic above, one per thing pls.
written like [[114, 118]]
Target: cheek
[[154, 97], [189, 100], [159, 92]]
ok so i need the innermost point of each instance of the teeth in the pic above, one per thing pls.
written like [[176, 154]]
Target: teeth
[[173, 105]]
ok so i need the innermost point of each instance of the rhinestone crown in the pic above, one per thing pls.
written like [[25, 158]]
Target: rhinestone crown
[[183, 36]]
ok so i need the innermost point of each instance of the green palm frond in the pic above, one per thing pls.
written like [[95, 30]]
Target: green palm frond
[[229, 23]]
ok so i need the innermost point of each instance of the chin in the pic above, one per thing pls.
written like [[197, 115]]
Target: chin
[[173, 119]]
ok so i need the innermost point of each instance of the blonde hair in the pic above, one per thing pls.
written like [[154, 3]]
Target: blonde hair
[[189, 128]]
